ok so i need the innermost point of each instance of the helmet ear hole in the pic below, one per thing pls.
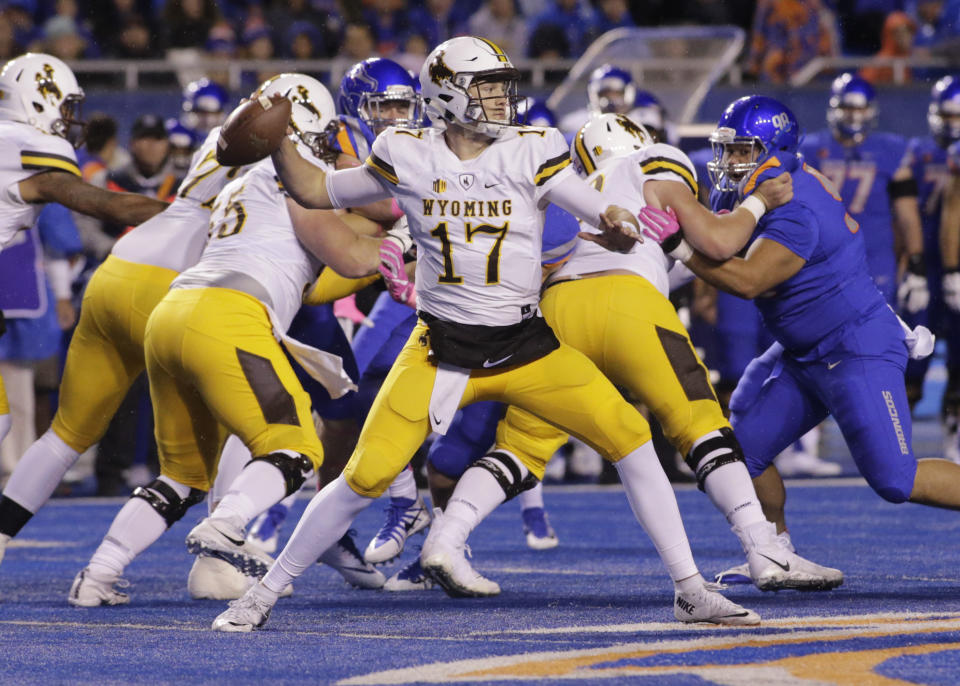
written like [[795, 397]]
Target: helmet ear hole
[[38, 107]]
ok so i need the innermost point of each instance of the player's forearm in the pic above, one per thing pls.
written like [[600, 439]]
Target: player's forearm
[[304, 182], [578, 198], [732, 276], [333, 242], [906, 212], [79, 196], [950, 225]]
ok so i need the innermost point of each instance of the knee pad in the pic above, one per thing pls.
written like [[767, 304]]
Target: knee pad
[[713, 451], [295, 470], [505, 468], [162, 498]]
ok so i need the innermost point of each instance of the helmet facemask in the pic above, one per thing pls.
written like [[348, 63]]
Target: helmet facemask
[[70, 125], [398, 106], [944, 121], [734, 158], [492, 100]]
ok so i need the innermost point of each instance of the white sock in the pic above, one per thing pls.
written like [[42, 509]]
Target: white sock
[[258, 486], [6, 421], [39, 471], [133, 530], [404, 486], [731, 491], [326, 519], [532, 497], [233, 458], [477, 494], [655, 507]]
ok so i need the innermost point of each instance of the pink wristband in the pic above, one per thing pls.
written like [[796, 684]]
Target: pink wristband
[[395, 209]]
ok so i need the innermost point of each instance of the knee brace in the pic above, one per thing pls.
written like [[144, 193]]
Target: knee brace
[[295, 470], [162, 498], [714, 452], [506, 470]]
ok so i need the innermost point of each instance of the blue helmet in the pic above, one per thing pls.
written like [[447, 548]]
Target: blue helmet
[[852, 109], [604, 82], [204, 105], [534, 112], [183, 141], [648, 110], [943, 116], [370, 85], [750, 129]]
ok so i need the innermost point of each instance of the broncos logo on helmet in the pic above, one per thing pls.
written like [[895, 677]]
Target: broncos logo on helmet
[[439, 71], [46, 86]]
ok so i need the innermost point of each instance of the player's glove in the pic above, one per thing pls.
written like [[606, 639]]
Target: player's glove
[[951, 289], [913, 295], [348, 314], [662, 226], [392, 268]]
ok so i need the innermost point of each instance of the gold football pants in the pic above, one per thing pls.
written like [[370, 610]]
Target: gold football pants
[[4, 403], [106, 352], [563, 388], [215, 368], [633, 334]]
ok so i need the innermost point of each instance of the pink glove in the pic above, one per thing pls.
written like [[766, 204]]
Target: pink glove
[[394, 273], [662, 226], [346, 309]]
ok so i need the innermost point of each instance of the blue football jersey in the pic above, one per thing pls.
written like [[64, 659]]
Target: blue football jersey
[[808, 312], [862, 174], [928, 161]]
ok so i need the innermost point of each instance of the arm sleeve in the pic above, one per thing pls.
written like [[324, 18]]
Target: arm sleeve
[[355, 187], [577, 197]]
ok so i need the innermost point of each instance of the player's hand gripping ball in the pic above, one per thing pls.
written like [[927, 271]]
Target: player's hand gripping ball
[[253, 130]]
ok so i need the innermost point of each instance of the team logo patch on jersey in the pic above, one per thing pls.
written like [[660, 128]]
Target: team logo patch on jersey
[[466, 181], [439, 186]]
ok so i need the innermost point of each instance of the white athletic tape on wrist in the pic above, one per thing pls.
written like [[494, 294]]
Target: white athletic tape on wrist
[[682, 252], [754, 206]]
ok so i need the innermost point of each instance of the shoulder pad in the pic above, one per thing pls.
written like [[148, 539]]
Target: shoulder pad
[[665, 162]]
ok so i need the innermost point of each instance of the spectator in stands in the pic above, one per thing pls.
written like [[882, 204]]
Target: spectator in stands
[[257, 42], [786, 35], [123, 28], [609, 15], [306, 43], [62, 38], [9, 47], [221, 41], [149, 171], [20, 15], [187, 23], [899, 31], [98, 155], [326, 24], [438, 20], [358, 42], [134, 39], [415, 51], [499, 21], [389, 22], [572, 18], [548, 41]]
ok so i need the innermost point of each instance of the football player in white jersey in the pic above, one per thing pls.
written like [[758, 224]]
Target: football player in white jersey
[[472, 189], [216, 365], [40, 103], [614, 308]]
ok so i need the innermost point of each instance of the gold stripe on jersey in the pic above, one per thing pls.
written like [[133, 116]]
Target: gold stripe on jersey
[[374, 163], [501, 56], [551, 167], [661, 165], [585, 161], [30, 159]]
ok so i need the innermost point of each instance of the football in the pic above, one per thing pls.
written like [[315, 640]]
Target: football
[[253, 130]]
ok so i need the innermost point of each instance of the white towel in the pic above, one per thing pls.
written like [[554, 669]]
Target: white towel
[[448, 388], [920, 340], [325, 367]]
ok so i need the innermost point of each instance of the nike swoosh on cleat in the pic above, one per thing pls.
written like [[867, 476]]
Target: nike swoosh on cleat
[[784, 566]]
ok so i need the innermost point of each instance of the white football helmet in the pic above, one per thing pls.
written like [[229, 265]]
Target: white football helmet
[[448, 74], [605, 138], [312, 112], [41, 90]]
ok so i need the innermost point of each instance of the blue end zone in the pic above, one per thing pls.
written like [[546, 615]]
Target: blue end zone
[[597, 608]]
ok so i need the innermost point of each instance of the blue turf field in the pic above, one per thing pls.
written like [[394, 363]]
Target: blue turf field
[[598, 608]]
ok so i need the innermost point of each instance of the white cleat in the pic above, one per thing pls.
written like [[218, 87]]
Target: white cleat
[[344, 557], [219, 538], [245, 614], [4, 539], [773, 565], [706, 605], [448, 566], [87, 591], [410, 578], [537, 530], [214, 579], [405, 517]]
